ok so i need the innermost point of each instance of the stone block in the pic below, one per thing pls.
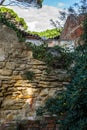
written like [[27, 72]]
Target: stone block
[[5, 72]]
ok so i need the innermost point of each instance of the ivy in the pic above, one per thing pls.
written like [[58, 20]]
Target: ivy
[[11, 16], [55, 57], [10, 19], [84, 36]]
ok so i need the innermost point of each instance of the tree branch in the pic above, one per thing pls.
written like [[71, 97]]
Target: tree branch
[[2, 1]]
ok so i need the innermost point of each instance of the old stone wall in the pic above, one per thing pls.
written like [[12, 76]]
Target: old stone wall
[[20, 97]]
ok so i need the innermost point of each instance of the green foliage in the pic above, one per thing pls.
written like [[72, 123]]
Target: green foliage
[[84, 36], [29, 75], [55, 57], [10, 18], [55, 105], [76, 94], [70, 105], [52, 33]]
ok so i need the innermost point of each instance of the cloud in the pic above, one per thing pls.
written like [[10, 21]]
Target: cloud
[[60, 4], [37, 19]]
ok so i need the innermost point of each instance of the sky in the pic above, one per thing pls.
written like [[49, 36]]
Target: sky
[[39, 19], [59, 3]]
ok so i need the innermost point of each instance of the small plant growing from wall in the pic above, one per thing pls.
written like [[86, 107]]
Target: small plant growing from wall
[[29, 75]]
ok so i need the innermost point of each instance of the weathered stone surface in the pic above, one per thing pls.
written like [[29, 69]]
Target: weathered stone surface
[[5, 72], [1, 94], [44, 92], [22, 83], [19, 97], [2, 54], [53, 91], [10, 65], [8, 102]]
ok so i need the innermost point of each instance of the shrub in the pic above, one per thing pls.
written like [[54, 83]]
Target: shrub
[[55, 57], [70, 105]]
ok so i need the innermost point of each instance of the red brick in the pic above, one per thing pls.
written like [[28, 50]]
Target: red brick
[[72, 28]]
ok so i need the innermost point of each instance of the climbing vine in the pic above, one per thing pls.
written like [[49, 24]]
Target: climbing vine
[[55, 57], [10, 19]]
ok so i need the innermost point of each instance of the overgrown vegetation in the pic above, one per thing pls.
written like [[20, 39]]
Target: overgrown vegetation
[[84, 37], [10, 15], [11, 19], [70, 105], [50, 33], [55, 57]]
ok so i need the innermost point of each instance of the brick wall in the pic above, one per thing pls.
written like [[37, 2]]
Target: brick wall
[[72, 28], [47, 123]]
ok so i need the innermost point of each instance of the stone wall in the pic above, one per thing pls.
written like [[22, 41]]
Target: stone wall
[[20, 97]]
